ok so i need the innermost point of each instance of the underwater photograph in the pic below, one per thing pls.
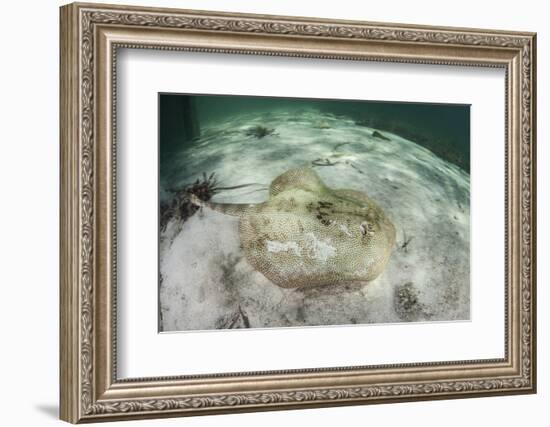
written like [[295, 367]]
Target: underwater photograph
[[286, 212]]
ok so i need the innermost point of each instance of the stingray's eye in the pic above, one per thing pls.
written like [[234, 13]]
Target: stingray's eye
[[367, 228]]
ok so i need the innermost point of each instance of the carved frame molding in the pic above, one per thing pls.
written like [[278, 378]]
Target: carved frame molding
[[90, 36]]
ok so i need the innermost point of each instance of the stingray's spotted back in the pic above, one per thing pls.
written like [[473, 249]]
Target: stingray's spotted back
[[307, 234]]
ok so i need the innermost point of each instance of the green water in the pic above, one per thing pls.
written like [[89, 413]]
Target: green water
[[444, 129], [411, 159]]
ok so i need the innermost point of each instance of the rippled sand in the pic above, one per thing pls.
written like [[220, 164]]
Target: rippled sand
[[207, 283]]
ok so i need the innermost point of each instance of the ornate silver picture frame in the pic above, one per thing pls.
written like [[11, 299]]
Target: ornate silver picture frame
[[92, 36]]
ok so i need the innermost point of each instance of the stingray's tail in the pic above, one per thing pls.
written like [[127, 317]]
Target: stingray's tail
[[234, 209]]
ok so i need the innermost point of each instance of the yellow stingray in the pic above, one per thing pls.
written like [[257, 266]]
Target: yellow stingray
[[307, 234]]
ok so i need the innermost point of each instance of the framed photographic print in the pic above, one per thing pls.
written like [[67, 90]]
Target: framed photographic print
[[266, 212], [278, 186]]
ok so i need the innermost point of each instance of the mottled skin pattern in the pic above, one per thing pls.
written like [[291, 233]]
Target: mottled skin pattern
[[307, 234]]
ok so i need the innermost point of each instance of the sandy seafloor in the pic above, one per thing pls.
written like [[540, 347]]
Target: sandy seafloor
[[207, 283]]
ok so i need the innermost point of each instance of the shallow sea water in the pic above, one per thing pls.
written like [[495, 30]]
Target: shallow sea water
[[206, 280]]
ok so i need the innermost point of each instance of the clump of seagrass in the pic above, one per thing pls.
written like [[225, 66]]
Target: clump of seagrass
[[259, 131], [180, 206], [408, 305], [379, 135]]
